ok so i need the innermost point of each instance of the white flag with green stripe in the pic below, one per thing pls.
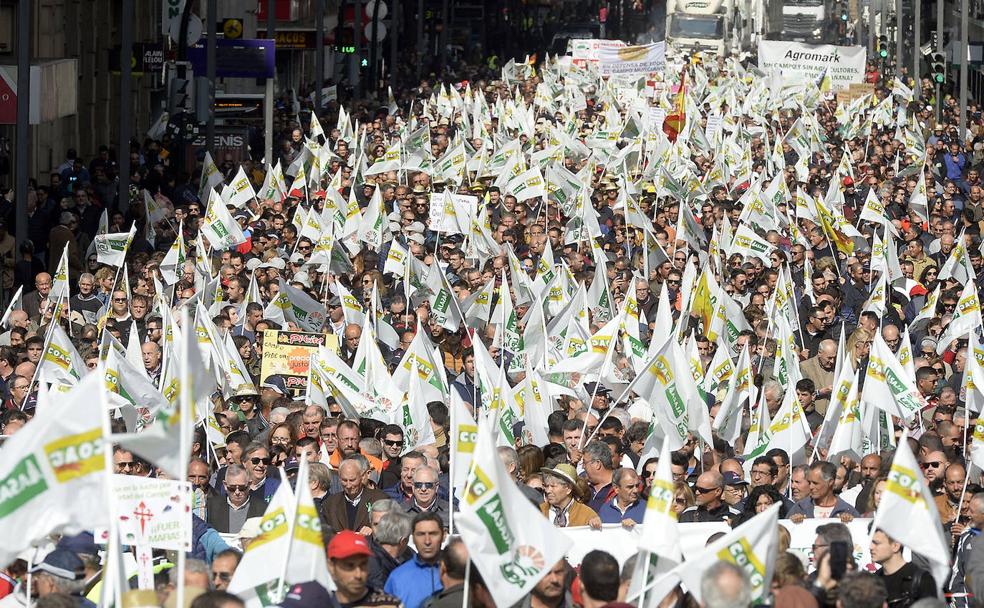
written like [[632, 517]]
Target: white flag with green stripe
[[508, 539]]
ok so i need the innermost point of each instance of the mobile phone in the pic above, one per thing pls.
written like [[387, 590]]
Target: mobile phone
[[838, 559]]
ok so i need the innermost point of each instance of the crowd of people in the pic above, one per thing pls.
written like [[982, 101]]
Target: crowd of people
[[771, 231]]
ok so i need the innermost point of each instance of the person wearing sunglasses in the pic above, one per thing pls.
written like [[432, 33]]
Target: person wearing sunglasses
[[425, 498], [709, 492], [228, 512], [256, 461], [223, 567]]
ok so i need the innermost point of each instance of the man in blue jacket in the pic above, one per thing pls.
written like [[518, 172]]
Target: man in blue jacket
[[822, 503], [419, 578], [625, 507]]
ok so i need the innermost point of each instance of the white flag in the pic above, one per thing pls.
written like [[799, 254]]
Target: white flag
[[907, 512], [750, 546], [966, 317], [221, 229], [53, 471], [242, 190], [256, 577], [111, 248], [511, 543], [887, 385]]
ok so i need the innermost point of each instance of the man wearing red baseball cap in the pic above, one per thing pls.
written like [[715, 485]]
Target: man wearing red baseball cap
[[348, 563]]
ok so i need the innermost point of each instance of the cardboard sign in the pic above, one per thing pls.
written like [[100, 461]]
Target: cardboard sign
[[288, 353]]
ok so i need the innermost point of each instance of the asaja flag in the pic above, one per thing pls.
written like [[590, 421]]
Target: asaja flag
[[111, 248], [907, 512], [222, 231], [511, 543], [53, 471], [887, 385]]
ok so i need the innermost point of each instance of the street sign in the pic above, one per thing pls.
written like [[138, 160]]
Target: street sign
[[147, 57], [232, 29], [237, 59]]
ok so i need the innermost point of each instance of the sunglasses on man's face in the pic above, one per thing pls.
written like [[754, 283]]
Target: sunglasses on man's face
[[423, 485], [256, 460], [236, 489]]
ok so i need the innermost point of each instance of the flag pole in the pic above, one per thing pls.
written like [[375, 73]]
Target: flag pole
[[184, 439], [113, 545]]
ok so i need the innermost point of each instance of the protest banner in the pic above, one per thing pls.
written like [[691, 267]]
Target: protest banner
[[632, 60], [843, 64], [153, 512], [622, 543], [288, 354], [585, 51]]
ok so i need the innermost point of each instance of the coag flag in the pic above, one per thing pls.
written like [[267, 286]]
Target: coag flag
[[53, 472], [907, 512]]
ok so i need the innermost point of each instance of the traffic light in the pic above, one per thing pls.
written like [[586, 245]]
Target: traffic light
[[937, 63], [883, 47]]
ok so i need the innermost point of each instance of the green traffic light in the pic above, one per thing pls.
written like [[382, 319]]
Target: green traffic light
[[939, 78], [883, 53]]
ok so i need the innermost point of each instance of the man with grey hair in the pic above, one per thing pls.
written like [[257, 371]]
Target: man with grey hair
[[228, 512], [319, 480], [85, 301], [510, 459], [773, 394], [958, 584], [725, 585], [349, 509], [62, 571], [821, 502], [425, 498], [599, 468], [391, 528]]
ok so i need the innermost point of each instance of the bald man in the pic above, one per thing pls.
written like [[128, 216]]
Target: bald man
[[37, 301], [709, 491], [18, 318], [890, 333], [820, 369]]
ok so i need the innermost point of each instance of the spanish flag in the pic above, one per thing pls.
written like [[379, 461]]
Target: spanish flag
[[673, 123]]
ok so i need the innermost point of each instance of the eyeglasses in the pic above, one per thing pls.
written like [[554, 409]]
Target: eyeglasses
[[648, 474], [701, 490], [392, 443], [222, 576], [257, 460], [125, 465], [119, 299], [680, 501], [236, 489], [934, 464], [424, 485]]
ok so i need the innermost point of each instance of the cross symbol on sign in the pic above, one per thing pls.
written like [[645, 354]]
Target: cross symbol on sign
[[143, 514]]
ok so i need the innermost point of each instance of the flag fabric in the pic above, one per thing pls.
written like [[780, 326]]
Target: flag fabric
[[674, 123], [510, 542], [111, 248], [751, 546], [61, 361], [966, 317], [222, 230], [907, 512], [257, 576], [53, 471], [887, 386]]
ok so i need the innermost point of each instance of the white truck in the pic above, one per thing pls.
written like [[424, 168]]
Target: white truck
[[804, 20], [712, 27]]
